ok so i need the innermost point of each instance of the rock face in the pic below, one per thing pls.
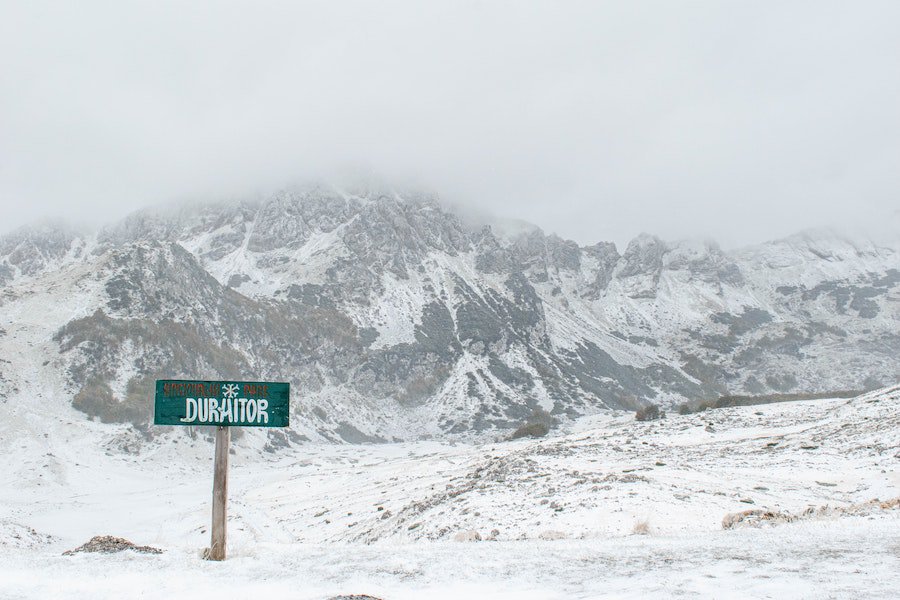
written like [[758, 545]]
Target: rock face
[[395, 320]]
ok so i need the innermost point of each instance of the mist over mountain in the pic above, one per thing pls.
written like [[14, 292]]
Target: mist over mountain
[[395, 317]]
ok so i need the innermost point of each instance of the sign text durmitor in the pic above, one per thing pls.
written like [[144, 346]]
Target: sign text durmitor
[[224, 403]]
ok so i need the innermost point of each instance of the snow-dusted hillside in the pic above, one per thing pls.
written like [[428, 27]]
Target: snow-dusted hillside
[[396, 320], [556, 517]]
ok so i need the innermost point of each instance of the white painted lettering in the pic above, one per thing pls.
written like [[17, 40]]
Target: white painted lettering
[[190, 410], [262, 415], [227, 411]]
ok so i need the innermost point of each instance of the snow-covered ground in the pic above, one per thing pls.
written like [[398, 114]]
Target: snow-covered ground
[[556, 515], [851, 558]]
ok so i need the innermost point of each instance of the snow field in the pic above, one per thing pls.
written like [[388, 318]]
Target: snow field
[[318, 519]]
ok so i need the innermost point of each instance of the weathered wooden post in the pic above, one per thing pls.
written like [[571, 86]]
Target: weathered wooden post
[[220, 495], [222, 404]]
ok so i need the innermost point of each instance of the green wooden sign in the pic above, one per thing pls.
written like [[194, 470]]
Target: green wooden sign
[[222, 403]]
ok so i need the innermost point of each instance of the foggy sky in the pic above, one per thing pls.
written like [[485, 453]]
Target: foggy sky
[[741, 121]]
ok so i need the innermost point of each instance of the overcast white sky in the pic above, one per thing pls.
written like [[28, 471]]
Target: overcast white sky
[[597, 120]]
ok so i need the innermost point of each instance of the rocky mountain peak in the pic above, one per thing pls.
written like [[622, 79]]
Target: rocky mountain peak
[[398, 318], [29, 250]]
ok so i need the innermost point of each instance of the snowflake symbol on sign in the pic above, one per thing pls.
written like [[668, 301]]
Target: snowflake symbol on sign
[[230, 390]]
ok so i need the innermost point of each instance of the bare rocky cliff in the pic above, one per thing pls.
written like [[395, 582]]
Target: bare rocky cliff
[[395, 320]]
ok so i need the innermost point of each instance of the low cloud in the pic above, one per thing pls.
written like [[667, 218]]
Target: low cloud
[[595, 120]]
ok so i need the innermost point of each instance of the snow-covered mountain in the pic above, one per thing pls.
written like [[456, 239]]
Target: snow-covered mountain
[[396, 319]]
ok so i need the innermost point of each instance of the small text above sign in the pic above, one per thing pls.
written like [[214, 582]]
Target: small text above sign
[[222, 403]]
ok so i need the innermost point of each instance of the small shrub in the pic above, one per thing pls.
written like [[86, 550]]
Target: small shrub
[[534, 430], [539, 415], [641, 528], [538, 424], [650, 412], [97, 400], [94, 399]]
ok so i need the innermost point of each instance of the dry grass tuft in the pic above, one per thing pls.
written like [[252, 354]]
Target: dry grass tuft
[[641, 528], [760, 517]]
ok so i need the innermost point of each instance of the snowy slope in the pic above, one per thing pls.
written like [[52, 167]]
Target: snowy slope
[[682, 474], [319, 520]]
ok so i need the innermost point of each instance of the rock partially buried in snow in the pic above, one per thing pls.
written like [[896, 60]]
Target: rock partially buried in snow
[[108, 544], [354, 597], [551, 535], [467, 536]]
